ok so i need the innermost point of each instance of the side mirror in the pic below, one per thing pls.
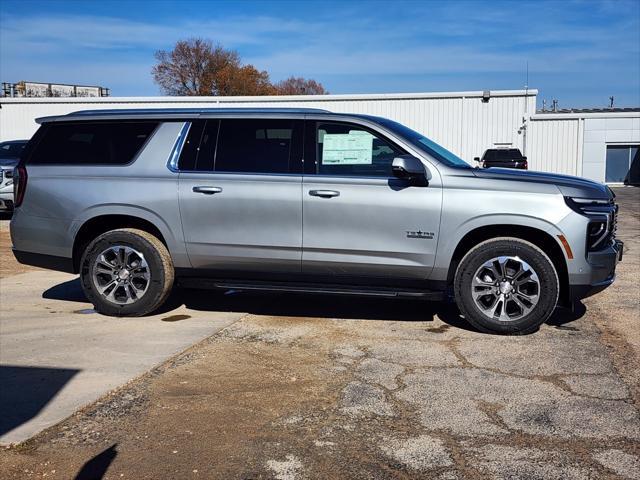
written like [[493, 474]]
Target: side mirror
[[524, 158], [476, 159], [410, 168]]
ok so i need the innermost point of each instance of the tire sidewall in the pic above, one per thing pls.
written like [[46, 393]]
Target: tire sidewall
[[149, 300], [536, 258]]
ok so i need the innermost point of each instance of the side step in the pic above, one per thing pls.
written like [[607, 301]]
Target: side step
[[207, 283]]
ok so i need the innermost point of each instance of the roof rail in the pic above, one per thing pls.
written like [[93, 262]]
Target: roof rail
[[146, 111]]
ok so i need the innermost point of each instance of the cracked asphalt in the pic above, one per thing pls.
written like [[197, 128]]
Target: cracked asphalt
[[306, 387]]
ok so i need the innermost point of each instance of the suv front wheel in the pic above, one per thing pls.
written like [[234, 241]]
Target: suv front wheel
[[506, 285], [126, 273]]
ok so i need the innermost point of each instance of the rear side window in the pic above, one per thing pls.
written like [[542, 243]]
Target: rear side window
[[86, 143], [254, 146]]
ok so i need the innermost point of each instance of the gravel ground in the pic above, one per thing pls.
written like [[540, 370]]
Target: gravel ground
[[306, 387]]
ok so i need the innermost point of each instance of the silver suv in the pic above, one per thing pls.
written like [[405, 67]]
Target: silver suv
[[302, 200]]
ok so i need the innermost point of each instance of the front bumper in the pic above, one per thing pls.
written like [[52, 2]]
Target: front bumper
[[6, 200], [603, 271]]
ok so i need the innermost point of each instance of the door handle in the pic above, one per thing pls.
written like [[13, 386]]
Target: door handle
[[207, 189], [324, 193]]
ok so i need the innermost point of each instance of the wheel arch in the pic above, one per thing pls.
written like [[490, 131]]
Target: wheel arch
[[100, 224], [543, 240]]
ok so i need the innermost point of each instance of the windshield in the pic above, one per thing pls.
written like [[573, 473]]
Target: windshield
[[423, 143], [11, 150]]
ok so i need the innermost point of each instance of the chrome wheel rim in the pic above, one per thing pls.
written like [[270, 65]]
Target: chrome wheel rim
[[121, 275], [505, 288]]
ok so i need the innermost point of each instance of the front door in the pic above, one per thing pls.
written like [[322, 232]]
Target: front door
[[358, 219], [240, 197]]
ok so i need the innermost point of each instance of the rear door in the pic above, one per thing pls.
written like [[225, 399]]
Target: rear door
[[358, 219], [240, 194]]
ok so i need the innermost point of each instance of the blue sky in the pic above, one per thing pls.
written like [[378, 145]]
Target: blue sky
[[579, 52]]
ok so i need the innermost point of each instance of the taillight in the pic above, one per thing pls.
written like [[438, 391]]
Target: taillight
[[19, 185]]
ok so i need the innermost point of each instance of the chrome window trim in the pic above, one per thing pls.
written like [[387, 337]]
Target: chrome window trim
[[263, 174], [172, 163], [176, 151]]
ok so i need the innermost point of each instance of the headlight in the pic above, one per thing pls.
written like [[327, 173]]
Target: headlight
[[583, 205], [602, 215], [9, 182]]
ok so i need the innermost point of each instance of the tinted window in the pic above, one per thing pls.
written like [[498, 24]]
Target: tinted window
[[350, 150], [191, 147], [11, 150], [253, 146], [503, 154], [103, 143]]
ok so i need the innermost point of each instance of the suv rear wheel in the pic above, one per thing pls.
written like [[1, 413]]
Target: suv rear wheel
[[506, 285], [126, 272]]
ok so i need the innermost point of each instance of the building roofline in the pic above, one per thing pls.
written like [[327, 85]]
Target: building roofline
[[271, 98], [580, 115]]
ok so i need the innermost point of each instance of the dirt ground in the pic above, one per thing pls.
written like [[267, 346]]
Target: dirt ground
[[306, 387], [8, 264]]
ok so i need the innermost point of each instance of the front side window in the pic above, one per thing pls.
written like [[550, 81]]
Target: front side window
[[254, 146], [350, 150], [91, 143]]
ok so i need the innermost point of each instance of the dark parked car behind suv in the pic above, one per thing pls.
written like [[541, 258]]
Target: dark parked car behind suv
[[503, 157]]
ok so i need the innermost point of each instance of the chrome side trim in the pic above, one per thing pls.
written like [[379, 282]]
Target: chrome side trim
[[174, 156]]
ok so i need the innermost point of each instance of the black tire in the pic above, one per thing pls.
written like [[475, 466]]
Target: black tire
[[159, 264], [548, 286]]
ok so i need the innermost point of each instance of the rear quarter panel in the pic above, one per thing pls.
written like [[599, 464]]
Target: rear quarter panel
[[60, 198]]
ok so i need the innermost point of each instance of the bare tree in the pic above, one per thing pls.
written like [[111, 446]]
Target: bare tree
[[299, 86], [197, 67], [193, 67]]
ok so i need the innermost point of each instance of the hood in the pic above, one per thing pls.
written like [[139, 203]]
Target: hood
[[569, 186]]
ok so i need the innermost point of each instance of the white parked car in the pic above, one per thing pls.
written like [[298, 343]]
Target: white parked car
[[9, 157]]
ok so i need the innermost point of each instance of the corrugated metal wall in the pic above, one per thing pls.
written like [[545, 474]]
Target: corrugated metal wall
[[461, 122], [555, 145]]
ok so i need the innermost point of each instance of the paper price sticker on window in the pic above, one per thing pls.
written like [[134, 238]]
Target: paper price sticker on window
[[353, 148]]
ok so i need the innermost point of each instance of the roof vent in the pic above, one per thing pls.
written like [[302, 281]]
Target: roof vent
[[486, 95]]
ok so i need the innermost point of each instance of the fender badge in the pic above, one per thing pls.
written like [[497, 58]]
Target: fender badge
[[420, 234]]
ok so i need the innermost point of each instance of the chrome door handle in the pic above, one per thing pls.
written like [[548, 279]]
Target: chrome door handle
[[324, 193], [207, 190]]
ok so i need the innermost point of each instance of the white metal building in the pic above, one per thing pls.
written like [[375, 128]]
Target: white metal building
[[466, 123]]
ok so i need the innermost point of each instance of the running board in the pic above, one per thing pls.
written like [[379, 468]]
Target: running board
[[206, 283]]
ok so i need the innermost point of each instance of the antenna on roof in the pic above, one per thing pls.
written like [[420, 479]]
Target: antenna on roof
[[555, 105], [611, 102]]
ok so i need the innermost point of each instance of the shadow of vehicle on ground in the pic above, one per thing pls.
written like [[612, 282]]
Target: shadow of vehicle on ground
[[313, 306]]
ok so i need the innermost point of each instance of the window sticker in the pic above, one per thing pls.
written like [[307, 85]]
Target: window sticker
[[353, 148]]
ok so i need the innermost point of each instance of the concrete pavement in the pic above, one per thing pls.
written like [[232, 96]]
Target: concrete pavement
[[57, 355]]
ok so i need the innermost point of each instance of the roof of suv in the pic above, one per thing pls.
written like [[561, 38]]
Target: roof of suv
[[179, 113]]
